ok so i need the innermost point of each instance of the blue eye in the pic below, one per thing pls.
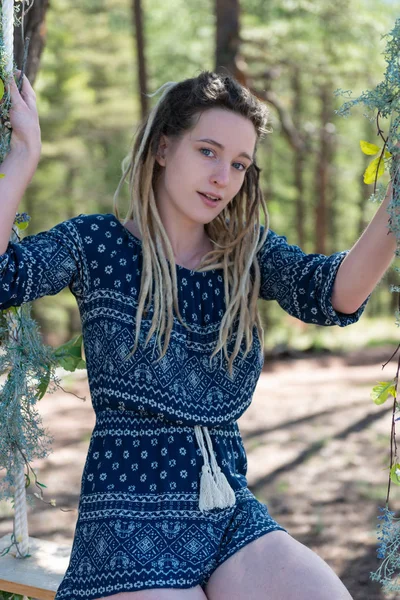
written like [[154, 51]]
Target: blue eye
[[204, 150], [240, 165]]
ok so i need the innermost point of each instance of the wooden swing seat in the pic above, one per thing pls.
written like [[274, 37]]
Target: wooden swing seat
[[37, 576]]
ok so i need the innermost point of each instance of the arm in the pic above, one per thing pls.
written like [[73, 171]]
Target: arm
[[20, 164], [43, 264], [302, 283], [366, 263]]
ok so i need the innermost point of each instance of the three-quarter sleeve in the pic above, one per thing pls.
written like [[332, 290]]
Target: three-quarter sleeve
[[302, 283], [42, 264]]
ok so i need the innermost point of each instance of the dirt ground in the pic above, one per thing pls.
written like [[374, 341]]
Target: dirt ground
[[317, 449]]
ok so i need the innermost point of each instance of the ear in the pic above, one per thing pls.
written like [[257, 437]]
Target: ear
[[162, 150]]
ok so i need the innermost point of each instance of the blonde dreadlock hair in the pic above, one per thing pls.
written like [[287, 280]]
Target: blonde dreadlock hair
[[235, 232]]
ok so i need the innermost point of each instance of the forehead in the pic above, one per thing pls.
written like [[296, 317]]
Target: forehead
[[234, 132]]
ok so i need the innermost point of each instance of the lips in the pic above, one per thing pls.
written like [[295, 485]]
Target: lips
[[213, 197], [207, 200]]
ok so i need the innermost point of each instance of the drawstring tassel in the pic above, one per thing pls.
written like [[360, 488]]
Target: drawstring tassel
[[227, 493], [215, 491], [210, 495]]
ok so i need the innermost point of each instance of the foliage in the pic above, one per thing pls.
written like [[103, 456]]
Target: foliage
[[381, 392], [30, 370], [11, 596], [388, 551], [376, 167], [383, 102]]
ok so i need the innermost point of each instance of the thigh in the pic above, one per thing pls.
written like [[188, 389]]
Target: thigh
[[195, 593], [275, 567]]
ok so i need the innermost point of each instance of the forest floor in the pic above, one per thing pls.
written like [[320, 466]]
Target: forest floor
[[317, 449]]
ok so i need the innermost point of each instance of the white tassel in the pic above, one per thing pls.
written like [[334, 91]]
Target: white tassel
[[210, 495], [215, 491], [227, 493]]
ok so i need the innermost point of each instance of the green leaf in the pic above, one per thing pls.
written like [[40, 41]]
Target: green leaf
[[381, 392], [2, 175], [369, 148], [2, 89], [69, 355], [395, 477], [22, 226], [44, 384], [41, 484], [374, 167]]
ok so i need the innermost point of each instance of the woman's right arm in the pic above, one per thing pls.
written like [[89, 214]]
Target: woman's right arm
[[44, 263], [20, 164]]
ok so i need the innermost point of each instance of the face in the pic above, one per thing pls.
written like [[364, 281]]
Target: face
[[209, 160]]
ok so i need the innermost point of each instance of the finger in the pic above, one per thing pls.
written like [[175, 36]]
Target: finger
[[26, 84], [27, 94], [30, 101], [14, 92]]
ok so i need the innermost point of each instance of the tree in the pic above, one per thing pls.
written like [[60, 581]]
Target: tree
[[227, 36], [141, 59], [33, 27]]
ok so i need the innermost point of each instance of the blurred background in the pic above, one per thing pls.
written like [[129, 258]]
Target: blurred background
[[317, 446], [92, 63]]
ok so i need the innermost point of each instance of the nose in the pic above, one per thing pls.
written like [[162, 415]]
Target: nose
[[220, 175]]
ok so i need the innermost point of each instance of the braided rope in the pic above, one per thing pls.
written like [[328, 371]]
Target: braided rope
[[8, 33]]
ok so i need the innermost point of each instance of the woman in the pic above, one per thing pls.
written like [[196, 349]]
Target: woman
[[167, 298]]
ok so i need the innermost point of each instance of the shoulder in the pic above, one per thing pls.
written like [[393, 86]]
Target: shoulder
[[84, 225], [271, 240], [93, 221]]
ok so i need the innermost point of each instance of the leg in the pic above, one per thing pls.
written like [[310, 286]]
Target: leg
[[275, 567], [195, 593]]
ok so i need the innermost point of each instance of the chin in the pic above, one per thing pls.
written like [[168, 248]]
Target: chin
[[207, 218]]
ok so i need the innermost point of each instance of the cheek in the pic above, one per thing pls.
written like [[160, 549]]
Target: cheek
[[237, 184]]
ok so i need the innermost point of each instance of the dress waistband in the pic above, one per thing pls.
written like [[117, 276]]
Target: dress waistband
[[215, 491]]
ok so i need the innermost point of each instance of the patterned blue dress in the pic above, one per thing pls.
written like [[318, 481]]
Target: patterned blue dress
[[140, 524]]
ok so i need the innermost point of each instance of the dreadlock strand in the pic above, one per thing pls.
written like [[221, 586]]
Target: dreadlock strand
[[234, 233]]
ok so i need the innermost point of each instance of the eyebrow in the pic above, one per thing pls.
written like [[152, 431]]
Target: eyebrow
[[221, 147]]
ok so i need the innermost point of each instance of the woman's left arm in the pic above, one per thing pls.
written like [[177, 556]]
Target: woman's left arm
[[366, 263]]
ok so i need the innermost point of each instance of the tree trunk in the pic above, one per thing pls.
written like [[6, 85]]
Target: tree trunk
[[333, 194], [34, 28], [137, 13], [299, 160], [322, 173], [228, 39]]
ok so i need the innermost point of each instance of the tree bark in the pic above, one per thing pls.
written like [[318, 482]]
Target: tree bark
[[322, 172], [33, 27], [299, 159], [228, 38], [333, 195], [137, 13]]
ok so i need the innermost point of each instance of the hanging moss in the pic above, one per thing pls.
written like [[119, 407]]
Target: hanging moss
[[5, 132]]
